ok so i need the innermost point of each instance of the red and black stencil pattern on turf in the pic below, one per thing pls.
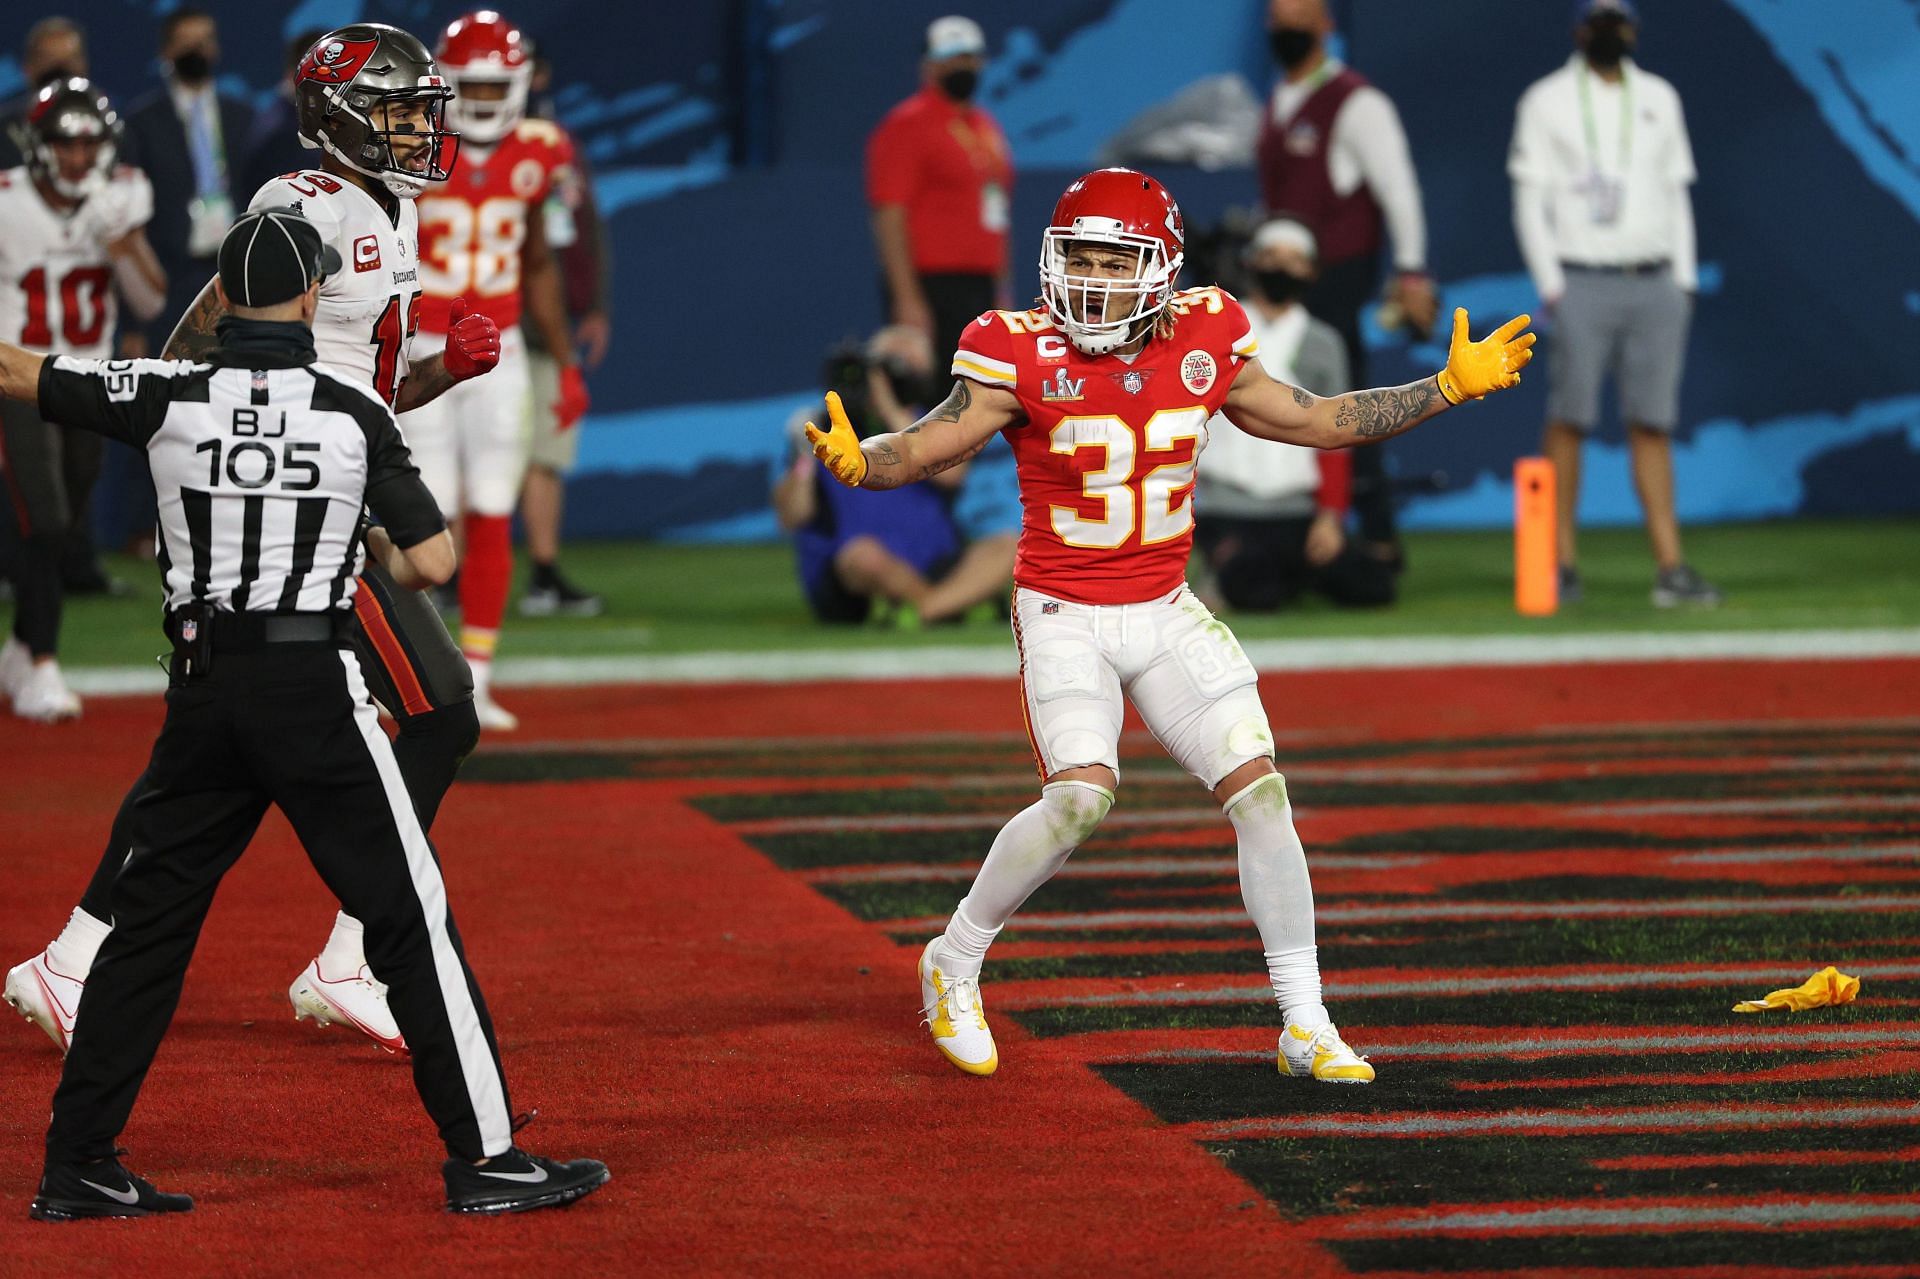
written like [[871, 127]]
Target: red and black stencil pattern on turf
[[1536, 931]]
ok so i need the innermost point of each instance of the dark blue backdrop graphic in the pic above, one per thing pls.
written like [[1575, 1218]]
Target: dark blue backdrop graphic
[[728, 135]]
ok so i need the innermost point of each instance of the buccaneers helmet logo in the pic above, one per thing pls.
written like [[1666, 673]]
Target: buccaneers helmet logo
[[336, 61]]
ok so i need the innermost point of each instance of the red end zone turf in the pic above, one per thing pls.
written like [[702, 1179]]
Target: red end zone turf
[[743, 1051]]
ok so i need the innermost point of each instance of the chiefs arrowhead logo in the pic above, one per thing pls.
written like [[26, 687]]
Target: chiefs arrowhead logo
[[336, 61]]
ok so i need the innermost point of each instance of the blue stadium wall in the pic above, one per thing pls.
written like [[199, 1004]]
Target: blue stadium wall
[[727, 138]]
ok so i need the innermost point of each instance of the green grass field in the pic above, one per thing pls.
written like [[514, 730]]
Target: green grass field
[[667, 598]]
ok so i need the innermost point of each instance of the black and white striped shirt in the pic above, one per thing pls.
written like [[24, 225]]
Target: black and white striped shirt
[[261, 462]]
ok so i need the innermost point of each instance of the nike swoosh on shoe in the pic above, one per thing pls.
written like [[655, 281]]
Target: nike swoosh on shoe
[[533, 1178], [127, 1196]]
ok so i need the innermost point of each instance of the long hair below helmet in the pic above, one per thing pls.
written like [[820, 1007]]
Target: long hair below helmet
[[1121, 210]]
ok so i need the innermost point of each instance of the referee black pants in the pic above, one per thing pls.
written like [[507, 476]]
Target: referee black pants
[[289, 725], [415, 670]]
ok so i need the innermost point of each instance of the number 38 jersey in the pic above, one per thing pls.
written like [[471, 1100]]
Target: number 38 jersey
[[473, 225], [56, 280], [370, 307], [1107, 455]]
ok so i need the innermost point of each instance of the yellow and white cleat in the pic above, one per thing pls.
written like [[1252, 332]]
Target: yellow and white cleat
[[1323, 1055], [953, 1013]]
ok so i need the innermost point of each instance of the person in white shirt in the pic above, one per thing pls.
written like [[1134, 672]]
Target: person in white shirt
[[1601, 168], [1270, 518]]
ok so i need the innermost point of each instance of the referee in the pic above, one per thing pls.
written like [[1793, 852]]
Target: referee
[[262, 461]]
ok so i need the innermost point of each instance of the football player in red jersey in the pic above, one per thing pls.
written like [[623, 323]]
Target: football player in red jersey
[[1105, 392], [482, 238]]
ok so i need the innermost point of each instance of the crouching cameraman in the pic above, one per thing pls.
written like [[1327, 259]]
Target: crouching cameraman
[[902, 547]]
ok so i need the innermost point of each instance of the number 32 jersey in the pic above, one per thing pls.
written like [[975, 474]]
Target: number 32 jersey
[[1107, 454], [370, 307]]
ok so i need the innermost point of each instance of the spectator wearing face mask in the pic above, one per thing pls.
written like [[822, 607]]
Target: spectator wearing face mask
[[55, 49], [189, 139], [1333, 154], [1601, 168], [1270, 519], [940, 183]]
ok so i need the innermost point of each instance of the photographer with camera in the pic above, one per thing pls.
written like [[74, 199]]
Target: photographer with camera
[[901, 548]]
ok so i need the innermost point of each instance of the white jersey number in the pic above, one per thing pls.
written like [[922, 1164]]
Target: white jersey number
[[474, 250], [1158, 504]]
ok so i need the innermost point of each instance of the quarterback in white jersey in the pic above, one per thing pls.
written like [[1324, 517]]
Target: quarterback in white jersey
[[371, 98], [71, 241]]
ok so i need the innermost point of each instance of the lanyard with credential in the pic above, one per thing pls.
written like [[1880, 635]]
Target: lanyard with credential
[[1626, 119]]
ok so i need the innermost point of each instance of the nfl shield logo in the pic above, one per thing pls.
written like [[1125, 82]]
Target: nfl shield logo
[[1049, 606], [1131, 382], [189, 630]]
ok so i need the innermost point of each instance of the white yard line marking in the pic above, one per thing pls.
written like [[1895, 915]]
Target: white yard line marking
[[1421, 910], [805, 665]]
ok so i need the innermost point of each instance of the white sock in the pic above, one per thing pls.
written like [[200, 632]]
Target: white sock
[[1279, 894], [1025, 854], [1295, 975], [71, 953], [345, 950], [482, 668]]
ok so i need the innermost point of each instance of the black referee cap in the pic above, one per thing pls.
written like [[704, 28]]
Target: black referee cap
[[272, 256]]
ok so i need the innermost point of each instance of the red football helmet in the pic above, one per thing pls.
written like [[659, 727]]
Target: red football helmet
[[483, 48], [1115, 209]]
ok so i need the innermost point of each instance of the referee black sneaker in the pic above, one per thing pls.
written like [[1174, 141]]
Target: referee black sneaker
[[520, 1182], [71, 1192]]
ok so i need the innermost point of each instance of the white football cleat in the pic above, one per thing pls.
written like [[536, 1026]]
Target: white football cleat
[[493, 717], [953, 1013], [15, 665], [1321, 1054], [357, 1001], [47, 998], [44, 696]]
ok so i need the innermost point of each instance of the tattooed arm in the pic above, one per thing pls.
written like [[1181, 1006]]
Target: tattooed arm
[[1273, 410], [193, 337], [426, 380], [955, 432]]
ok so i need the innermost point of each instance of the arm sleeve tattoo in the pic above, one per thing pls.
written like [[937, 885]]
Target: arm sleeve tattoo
[[194, 336], [1373, 415], [426, 380]]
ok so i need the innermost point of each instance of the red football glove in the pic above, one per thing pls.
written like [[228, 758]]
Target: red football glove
[[572, 404], [473, 343]]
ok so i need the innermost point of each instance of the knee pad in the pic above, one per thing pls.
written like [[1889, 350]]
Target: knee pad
[[1075, 810], [454, 727]]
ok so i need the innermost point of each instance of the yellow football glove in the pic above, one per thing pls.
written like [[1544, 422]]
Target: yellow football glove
[[1492, 364], [837, 446]]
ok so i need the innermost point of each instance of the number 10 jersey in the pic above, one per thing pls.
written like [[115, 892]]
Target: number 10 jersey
[[1108, 452], [370, 308]]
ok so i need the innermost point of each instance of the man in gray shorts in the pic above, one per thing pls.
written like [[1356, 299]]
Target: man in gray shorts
[[1600, 166]]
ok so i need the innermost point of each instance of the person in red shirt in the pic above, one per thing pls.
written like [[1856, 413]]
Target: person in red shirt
[[1105, 393], [940, 180]]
